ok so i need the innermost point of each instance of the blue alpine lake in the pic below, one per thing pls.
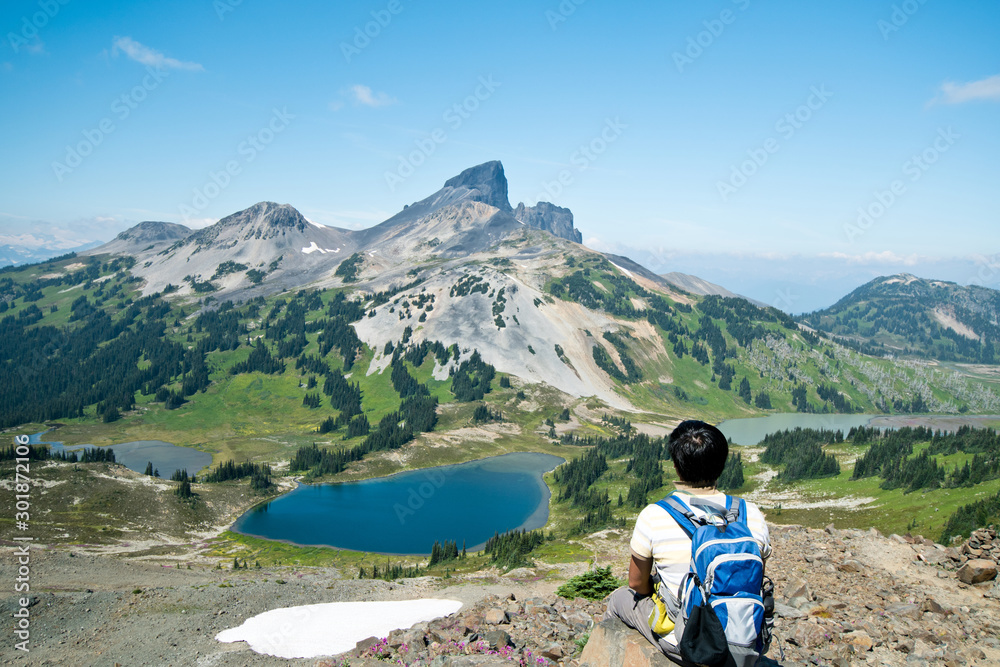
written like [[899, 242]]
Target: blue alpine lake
[[751, 431], [164, 456], [407, 512]]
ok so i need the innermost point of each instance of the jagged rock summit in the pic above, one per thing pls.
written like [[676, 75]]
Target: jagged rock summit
[[485, 182], [554, 219]]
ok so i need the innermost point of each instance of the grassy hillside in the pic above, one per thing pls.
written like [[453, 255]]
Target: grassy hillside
[[695, 353], [909, 316], [258, 380]]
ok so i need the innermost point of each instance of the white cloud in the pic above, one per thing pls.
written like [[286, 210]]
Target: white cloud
[[364, 95], [958, 93], [361, 95], [198, 223], [871, 257], [347, 219], [147, 56]]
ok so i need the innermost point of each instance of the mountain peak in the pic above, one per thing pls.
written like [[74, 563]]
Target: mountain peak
[[152, 231], [490, 182], [267, 212]]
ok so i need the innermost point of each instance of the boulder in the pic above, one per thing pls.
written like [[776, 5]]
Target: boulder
[[850, 566], [859, 639], [810, 635], [497, 639], [797, 588], [614, 644], [787, 611], [977, 570], [465, 661], [495, 616], [553, 652], [904, 610], [935, 607]]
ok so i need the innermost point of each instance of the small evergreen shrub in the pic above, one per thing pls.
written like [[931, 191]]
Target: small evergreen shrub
[[593, 585]]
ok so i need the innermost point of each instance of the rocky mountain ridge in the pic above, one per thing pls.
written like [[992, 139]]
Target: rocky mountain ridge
[[469, 215]]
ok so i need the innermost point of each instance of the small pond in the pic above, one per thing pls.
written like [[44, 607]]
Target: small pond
[[164, 456]]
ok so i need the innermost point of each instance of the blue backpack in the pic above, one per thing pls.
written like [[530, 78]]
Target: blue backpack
[[726, 577]]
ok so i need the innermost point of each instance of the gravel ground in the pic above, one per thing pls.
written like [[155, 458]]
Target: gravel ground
[[98, 610]]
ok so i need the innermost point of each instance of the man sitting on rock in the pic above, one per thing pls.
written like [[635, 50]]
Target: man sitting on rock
[[699, 452]]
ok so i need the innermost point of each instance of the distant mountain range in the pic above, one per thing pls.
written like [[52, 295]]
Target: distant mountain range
[[907, 315], [30, 249], [464, 266]]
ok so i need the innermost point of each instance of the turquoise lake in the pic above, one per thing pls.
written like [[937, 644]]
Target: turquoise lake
[[407, 512]]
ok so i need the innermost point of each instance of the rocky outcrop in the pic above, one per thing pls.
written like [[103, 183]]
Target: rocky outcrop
[[489, 182], [551, 218], [495, 631], [614, 644]]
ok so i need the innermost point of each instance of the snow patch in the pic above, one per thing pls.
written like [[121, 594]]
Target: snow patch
[[314, 630], [623, 270], [315, 248]]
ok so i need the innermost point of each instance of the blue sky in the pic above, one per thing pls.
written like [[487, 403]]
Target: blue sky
[[738, 140]]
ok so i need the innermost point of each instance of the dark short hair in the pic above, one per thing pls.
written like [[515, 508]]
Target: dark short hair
[[699, 452]]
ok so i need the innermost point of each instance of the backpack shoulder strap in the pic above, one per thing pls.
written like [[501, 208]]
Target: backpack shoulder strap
[[684, 517], [736, 510]]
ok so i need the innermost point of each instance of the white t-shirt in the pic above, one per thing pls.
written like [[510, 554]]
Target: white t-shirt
[[658, 536]]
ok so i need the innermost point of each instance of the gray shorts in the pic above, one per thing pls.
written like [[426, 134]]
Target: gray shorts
[[633, 610]]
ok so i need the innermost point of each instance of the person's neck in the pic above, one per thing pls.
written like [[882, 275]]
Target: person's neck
[[695, 490]]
